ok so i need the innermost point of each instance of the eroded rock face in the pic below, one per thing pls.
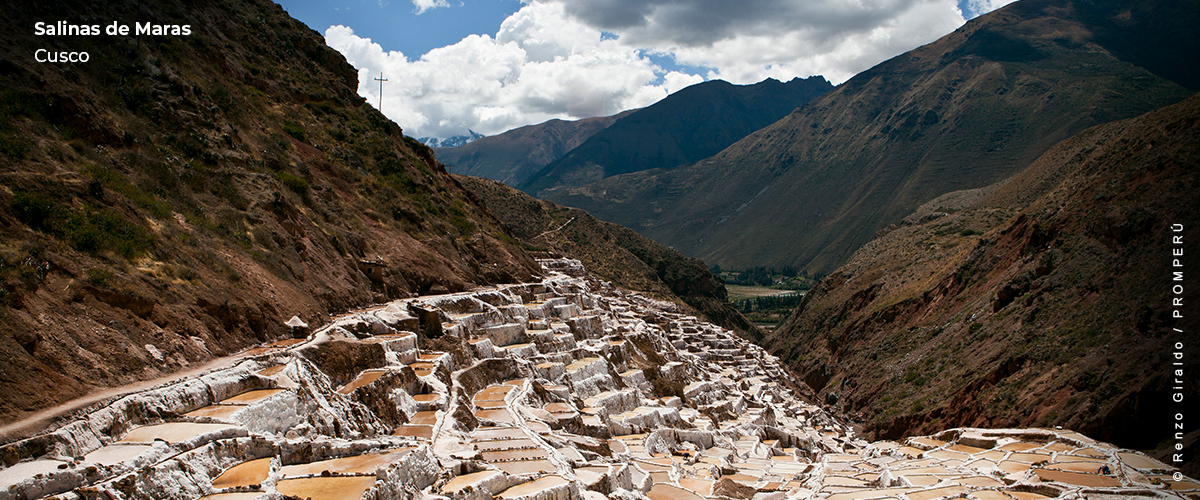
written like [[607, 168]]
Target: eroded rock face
[[563, 389]]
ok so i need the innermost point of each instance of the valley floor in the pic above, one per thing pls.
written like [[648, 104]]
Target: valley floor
[[563, 389], [740, 292]]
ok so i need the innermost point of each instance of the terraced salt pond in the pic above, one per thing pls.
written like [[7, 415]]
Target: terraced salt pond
[[534, 487], [527, 467], [326, 488], [251, 397], [233, 496], [471, 480], [357, 464], [416, 431], [542, 391], [244, 474], [172, 432], [427, 417], [218, 412], [117, 453], [364, 379]]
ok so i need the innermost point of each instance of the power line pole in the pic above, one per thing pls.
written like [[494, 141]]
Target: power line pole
[[381, 79]]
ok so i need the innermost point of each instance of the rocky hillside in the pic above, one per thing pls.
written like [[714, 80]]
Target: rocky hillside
[[178, 198], [693, 123], [611, 252], [1045, 302], [968, 110], [515, 156]]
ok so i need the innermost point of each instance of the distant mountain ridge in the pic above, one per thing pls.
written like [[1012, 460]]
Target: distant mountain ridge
[[451, 142], [965, 111], [693, 123], [513, 156]]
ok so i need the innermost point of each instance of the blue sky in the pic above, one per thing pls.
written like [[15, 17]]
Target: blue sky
[[493, 65], [395, 25]]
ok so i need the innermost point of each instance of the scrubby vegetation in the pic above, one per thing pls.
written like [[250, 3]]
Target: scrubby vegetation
[[193, 193], [783, 278], [770, 310]]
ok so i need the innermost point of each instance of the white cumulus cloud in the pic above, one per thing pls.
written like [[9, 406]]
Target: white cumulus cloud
[[424, 5], [541, 65], [574, 59], [749, 40], [974, 8]]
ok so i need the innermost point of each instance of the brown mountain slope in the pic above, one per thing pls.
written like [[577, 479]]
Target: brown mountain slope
[[512, 157], [1046, 303], [966, 111], [610, 251], [177, 198]]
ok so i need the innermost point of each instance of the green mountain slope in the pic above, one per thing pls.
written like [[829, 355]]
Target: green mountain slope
[[966, 111], [691, 124], [1047, 302], [515, 156], [177, 198]]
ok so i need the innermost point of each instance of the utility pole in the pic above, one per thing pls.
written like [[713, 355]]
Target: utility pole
[[381, 79]]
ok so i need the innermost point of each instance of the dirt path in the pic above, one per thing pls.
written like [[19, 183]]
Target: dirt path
[[38, 422], [559, 228]]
